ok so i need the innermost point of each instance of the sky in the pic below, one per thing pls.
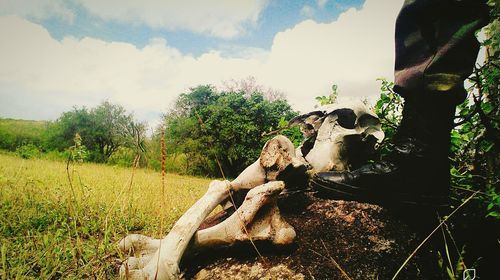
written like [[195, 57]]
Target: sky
[[141, 54]]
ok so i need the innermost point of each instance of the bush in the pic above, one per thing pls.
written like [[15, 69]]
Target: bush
[[122, 157], [28, 151]]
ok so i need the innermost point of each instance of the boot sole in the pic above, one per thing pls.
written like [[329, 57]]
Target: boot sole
[[340, 191]]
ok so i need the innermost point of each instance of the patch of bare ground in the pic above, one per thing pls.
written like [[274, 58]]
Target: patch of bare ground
[[335, 240]]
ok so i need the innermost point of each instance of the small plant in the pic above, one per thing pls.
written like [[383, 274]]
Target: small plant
[[78, 152], [389, 109], [28, 151], [330, 99]]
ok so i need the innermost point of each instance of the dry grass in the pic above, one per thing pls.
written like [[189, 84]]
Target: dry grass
[[48, 230]]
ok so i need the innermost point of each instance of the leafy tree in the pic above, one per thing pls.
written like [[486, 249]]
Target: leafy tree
[[225, 128], [103, 130], [28, 151]]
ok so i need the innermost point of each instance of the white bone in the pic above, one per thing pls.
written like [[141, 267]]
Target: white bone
[[163, 264], [329, 151], [269, 225], [276, 155]]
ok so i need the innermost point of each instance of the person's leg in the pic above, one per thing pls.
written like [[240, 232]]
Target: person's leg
[[435, 52], [436, 47]]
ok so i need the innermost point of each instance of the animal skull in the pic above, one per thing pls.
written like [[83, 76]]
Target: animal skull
[[339, 136]]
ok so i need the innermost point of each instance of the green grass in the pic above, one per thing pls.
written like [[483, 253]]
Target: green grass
[[49, 230], [14, 133]]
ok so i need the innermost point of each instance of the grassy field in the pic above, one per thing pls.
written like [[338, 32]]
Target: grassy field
[[14, 133], [51, 229]]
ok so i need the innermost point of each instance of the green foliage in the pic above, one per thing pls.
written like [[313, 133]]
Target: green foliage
[[493, 40], [330, 99], [102, 130], [28, 151], [389, 108], [175, 160], [292, 133], [78, 152], [476, 136], [15, 133], [211, 127]]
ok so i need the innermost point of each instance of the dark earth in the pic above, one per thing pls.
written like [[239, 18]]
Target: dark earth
[[335, 240]]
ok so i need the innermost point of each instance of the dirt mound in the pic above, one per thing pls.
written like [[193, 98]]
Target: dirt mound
[[335, 240]]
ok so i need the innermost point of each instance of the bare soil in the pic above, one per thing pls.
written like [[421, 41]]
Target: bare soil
[[335, 240]]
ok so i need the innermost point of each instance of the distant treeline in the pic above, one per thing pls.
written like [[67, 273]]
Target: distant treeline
[[98, 133], [16, 133], [207, 132]]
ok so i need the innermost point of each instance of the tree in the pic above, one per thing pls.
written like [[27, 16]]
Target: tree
[[103, 130], [224, 128]]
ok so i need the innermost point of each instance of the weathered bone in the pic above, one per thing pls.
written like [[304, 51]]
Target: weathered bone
[[164, 262], [268, 226], [338, 135], [277, 154]]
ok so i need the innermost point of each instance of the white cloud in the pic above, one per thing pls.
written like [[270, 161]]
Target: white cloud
[[220, 18], [321, 3], [351, 52], [60, 74], [39, 9], [41, 77], [307, 11]]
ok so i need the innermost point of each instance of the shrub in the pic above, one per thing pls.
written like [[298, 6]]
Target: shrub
[[28, 151]]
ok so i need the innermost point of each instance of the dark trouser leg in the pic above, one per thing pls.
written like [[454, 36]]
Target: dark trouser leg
[[436, 47], [436, 50]]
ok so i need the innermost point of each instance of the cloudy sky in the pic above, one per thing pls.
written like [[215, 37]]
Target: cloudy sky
[[142, 54]]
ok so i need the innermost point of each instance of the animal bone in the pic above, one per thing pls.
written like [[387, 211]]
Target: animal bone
[[268, 226], [163, 264], [277, 161], [277, 154], [338, 136]]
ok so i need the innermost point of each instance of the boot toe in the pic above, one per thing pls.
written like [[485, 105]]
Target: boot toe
[[332, 185]]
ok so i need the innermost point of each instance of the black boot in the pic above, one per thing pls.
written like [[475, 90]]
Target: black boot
[[417, 170]]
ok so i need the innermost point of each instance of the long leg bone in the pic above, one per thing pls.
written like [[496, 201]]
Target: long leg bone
[[164, 263], [264, 225]]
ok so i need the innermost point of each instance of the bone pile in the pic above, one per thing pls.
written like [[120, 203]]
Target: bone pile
[[336, 137]]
